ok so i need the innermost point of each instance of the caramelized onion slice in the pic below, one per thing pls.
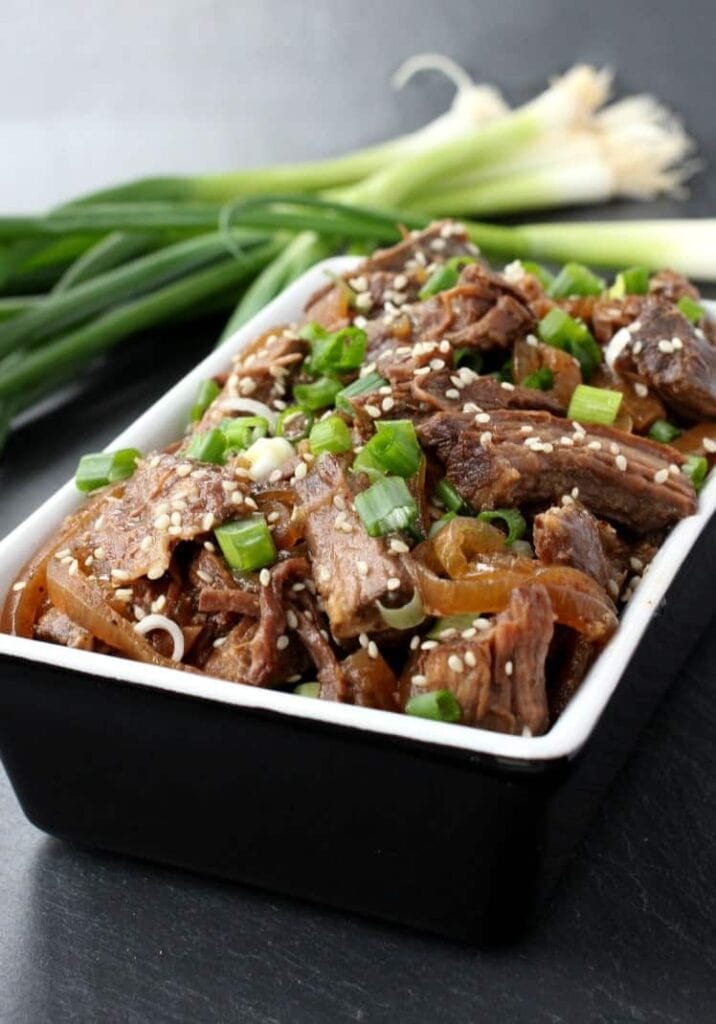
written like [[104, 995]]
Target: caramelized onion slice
[[462, 540], [82, 601]]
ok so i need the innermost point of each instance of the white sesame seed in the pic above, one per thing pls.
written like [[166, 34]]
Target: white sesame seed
[[526, 429], [548, 447], [20, 585], [506, 386], [138, 612], [372, 649], [362, 567], [373, 411], [203, 576], [613, 588], [364, 301], [363, 640], [393, 583], [208, 546], [437, 364], [452, 393], [596, 446], [387, 404], [614, 448], [470, 406], [291, 618], [637, 347], [677, 344], [282, 642], [160, 523], [220, 641], [665, 346], [621, 463], [485, 438], [184, 469], [120, 574], [159, 604], [445, 346], [470, 659], [418, 680], [124, 594], [300, 471], [469, 633], [275, 475], [324, 574], [641, 390], [661, 476], [236, 498], [428, 645], [566, 442], [399, 547], [575, 493], [455, 664], [709, 444], [66, 553], [674, 469], [509, 668], [175, 518], [174, 531], [264, 577], [481, 623], [483, 417]]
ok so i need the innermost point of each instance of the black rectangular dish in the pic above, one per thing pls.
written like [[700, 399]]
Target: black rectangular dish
[[455, 830]]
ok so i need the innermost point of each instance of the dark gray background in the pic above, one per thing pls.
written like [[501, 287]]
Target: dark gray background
[[93, 93]]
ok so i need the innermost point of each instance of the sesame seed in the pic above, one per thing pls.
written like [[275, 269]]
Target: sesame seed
[[120, 574], [637, 347], [596, 446], [236, 498], [469, 633], [665, 346], [324, 574], [275, 475], [298, 587], [470, 406], [175, 518], [470, 659], [481, 623], [160, 523], [613, 588], [399, 547], [291, 618], [220, 641], [485, 438], [661, 476], [438, 244], [203, 576], [575, 493], [677, 344], [207, 522], [428, 645], [674, 469], [66, 553], [566, 442], [155, 572], [621, 463], [567, 500], [455, 664], [415, 642], [709, 444], [208, 546], [400, 281], [548, 447], [506, 386], [532, 341], [124, 594], [363, 640], [300, 471], [393, 583], [184, 469], [174, 531], [437, 364], [483, 417], [387, 404], [339, 501], [364, 301], [273, 517], [526, 429], [636, 564], [445, 346], [264, 577], [373, 411], [457, 382], [138, 612], [159, 604], [614, 448], [372, 649], [641, 390], [282, 642], [362, 567], [452, 393], [20, 585], [418, 680], [509, 668]]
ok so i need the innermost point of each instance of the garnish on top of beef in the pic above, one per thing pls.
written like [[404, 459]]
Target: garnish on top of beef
[[430, 496]]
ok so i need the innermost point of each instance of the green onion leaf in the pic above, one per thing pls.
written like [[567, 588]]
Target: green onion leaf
[[696, 467], [386, 506], [539, 380], [394, 448], [446, 494], [440, 705], [308, 689], [102, 468], [208, 391], [330, 435], [444, 277], [241, 433], [511, 517], [366, 462], [335, 353], [294, 424], [207, 447], [663, 431], [450, 624], [575, 279], [247, 544], [439, 523], [361, 386], [691, 310], [543, 275], [594, 405], [562, 331], [633, 281], [318, 395]]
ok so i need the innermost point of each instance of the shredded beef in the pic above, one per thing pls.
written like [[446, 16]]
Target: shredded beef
[[675, 358], [615, 473], [569, 535], [498, 677], [57, 628]]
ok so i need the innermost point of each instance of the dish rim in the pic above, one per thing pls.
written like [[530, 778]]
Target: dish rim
[[165, 420]]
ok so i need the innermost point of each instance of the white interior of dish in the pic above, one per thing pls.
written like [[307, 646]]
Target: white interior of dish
[[165, 421]]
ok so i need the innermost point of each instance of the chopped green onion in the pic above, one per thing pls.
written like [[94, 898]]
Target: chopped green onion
[[469, 357], [242, 432], [294, 424], [440, 705], [318, 395], [439, 523], [445, 276], [102, 468], [691, 310], [633, 281], [207, 447], [663, 431], [208, 391], [247, 544], [386, 506], [594, 405], [408, 616], [366, 462], [330, 435], [511, 517], [696, 467], [335, 353], [308, 689], [450, 624], [361, 386], [543, 275], [539, 380], [446, 494], [575, 279], [394, 448], [562, 331]]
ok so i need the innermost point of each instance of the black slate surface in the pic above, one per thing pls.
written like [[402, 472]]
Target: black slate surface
[[629, 935]]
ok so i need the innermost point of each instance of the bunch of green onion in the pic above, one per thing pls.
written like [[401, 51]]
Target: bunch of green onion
[[77, 281]]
